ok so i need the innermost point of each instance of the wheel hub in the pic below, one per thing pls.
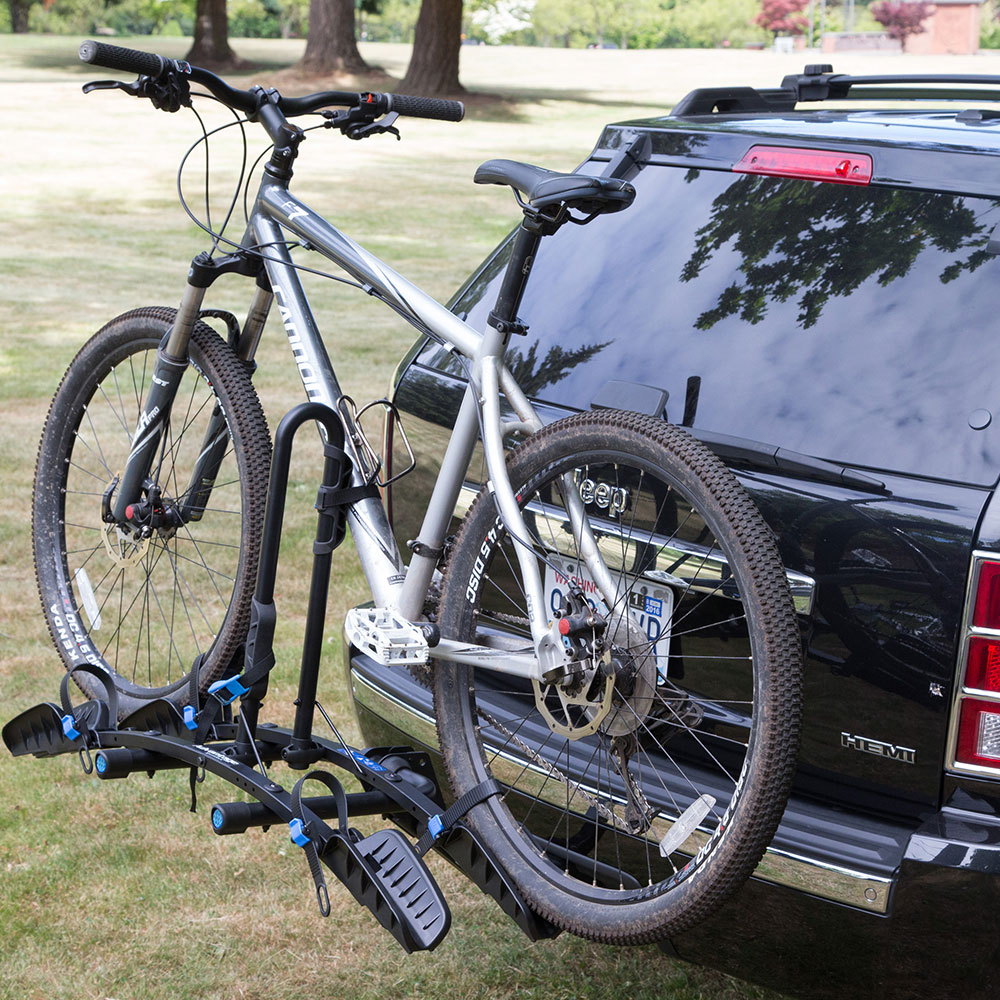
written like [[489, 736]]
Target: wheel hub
[[635, 670], [127, 541]]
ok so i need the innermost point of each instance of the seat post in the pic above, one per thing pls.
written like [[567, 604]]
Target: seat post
[[515, 279]]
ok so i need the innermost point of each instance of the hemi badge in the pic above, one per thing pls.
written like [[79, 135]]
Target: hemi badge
[[906, 754]]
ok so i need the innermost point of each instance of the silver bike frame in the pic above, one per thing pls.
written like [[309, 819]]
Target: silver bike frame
[[276, 214]]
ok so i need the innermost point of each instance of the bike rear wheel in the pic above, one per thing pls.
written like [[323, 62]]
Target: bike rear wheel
[[639, 823], [147, 608]]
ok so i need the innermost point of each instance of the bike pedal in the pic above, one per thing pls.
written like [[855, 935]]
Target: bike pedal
[[385, 637], [384, 874]]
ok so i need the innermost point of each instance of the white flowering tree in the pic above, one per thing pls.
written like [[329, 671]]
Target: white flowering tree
[[500, 19]]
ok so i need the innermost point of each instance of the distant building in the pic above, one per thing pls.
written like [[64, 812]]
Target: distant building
[[953, 27]]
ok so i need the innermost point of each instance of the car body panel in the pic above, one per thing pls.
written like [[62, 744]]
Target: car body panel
[[831, 344]]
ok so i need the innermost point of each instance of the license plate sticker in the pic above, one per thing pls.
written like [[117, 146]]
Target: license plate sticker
[[650, 606]]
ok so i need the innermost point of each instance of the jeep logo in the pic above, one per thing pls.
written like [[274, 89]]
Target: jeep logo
[[613, 499]]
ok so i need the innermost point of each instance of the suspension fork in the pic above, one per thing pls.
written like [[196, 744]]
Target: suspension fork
[[171, 364], [216, 441]]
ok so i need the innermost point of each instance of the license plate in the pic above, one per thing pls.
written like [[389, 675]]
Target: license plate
[[650, 606]]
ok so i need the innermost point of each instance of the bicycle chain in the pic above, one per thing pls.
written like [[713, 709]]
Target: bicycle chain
[[421, 673], [550, 769]]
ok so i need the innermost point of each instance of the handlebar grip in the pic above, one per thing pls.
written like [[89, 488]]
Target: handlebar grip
[[426, 107], [128, 60]]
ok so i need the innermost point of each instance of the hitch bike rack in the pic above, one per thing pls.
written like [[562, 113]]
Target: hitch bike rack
[[385, 872]]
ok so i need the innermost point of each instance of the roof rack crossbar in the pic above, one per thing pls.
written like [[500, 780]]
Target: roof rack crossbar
[[730, 100], [820, 83]]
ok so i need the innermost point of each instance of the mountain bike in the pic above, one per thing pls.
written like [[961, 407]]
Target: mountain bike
[[609, 635]]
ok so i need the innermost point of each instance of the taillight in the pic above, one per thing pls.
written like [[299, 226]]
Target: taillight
[[982, 664], [826, 165], [975, 721], [986, 610], [979, 733]]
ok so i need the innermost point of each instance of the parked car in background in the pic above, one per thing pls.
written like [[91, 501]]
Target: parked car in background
[[813, 284]]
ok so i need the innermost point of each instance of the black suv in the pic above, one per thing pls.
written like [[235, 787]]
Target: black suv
[[811, 287]]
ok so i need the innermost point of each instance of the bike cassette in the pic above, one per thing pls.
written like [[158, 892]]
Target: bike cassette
[[385, 637]]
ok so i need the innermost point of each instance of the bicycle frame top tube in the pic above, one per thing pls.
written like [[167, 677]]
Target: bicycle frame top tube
[[277, 213], [375, 276]]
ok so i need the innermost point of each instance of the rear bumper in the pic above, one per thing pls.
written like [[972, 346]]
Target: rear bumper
[[840, 901]]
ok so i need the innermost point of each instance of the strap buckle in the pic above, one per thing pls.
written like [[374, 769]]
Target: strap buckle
[[69, 729], [299, 836], [228, 690]]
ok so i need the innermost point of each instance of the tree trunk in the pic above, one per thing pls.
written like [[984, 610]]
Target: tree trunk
[[19, 15], [331, 47], [437, 39], [211, 38]]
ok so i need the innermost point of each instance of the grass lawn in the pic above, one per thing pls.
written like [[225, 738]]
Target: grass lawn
[[115, 890]]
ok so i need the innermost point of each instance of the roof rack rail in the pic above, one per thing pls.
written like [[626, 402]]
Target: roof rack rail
[[820, 83]]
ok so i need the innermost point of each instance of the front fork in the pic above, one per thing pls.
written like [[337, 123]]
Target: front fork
[[168, 370]]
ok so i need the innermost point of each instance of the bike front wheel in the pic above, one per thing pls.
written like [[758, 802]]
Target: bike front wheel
[[146, 608], [628, 819]]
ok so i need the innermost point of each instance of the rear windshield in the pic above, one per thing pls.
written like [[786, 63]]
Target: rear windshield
[[852, 324]]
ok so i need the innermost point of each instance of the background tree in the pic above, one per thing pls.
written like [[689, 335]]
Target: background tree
[[331, 46], [211, 38], [694, 24], [901, 20], [616, 19], [783, 17], [554, 20], [437, 38], [19, 15]]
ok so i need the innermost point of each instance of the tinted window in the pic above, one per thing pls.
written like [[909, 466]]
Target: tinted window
[[853, 324]]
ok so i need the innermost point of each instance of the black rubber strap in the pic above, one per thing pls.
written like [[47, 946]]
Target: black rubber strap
[[107, 682], [309, 847], [195, 778], [336, 496], [419, 548], [443, 822]]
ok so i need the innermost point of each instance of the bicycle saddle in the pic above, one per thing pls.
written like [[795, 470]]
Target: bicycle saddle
[[543, 188]]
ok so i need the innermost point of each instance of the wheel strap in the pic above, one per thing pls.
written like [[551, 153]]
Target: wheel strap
[[442, 822]]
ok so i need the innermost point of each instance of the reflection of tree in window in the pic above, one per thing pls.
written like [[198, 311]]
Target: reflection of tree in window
[[809, 242], [533, 375], [530, 373]]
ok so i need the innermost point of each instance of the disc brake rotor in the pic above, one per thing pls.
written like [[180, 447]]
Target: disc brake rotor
[[582, 714], [123, 547]]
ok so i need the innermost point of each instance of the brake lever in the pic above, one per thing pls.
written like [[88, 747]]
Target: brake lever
[[364, 130], [356, 123], [170, 93], [134, 88]]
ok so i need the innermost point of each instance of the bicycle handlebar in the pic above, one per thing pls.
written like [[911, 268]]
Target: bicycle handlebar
[[156, 66], [127, 60], [426, 107]]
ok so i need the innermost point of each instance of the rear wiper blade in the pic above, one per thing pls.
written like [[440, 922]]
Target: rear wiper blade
[[772, 457]]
